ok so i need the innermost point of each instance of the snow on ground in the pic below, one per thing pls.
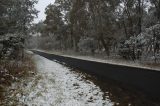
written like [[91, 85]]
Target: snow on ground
[[57, 85]]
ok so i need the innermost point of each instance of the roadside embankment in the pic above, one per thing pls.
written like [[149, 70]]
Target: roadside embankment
[[13, 71]]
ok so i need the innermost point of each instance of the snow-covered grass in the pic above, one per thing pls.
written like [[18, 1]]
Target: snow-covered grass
[[56, 85]]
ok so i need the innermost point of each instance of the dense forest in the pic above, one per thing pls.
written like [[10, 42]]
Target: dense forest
[[126, 28], [16, 18]]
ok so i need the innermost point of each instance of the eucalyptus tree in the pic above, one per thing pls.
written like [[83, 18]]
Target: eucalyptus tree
[[55, 25], [53, 19], [73, 17], [156, 4], [79, 18], [102, 15]]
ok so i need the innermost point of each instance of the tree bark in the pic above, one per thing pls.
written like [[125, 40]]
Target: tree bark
[[125, 29], [106, 47], [139, 17]]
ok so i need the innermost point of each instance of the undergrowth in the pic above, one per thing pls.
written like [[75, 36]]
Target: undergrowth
[[13, 71]]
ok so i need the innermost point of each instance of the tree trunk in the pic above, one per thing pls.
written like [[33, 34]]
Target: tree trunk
[[71, 39], [130, 32], [75, 46], [125, 29], [106, 47], [139, 17]]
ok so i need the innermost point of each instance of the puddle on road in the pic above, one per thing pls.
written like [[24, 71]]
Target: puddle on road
[[57, 85]]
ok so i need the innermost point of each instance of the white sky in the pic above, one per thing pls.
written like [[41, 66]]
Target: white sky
[[42, 4]]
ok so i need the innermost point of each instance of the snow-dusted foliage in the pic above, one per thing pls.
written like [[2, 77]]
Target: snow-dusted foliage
[[13, 45], [152, 33], [145, 45], [55, 85]]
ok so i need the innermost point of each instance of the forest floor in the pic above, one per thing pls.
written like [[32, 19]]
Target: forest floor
[[114, 59]]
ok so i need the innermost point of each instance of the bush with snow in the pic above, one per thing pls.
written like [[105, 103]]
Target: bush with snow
[[13, 45], [145, 45]]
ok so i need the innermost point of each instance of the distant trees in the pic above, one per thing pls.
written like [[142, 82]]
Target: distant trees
[[94, 19], [99, 25]]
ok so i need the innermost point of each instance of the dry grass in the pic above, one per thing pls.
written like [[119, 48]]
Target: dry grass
[[14, 70]]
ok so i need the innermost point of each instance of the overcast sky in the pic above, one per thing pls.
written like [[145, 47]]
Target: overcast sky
[[42, 4]]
